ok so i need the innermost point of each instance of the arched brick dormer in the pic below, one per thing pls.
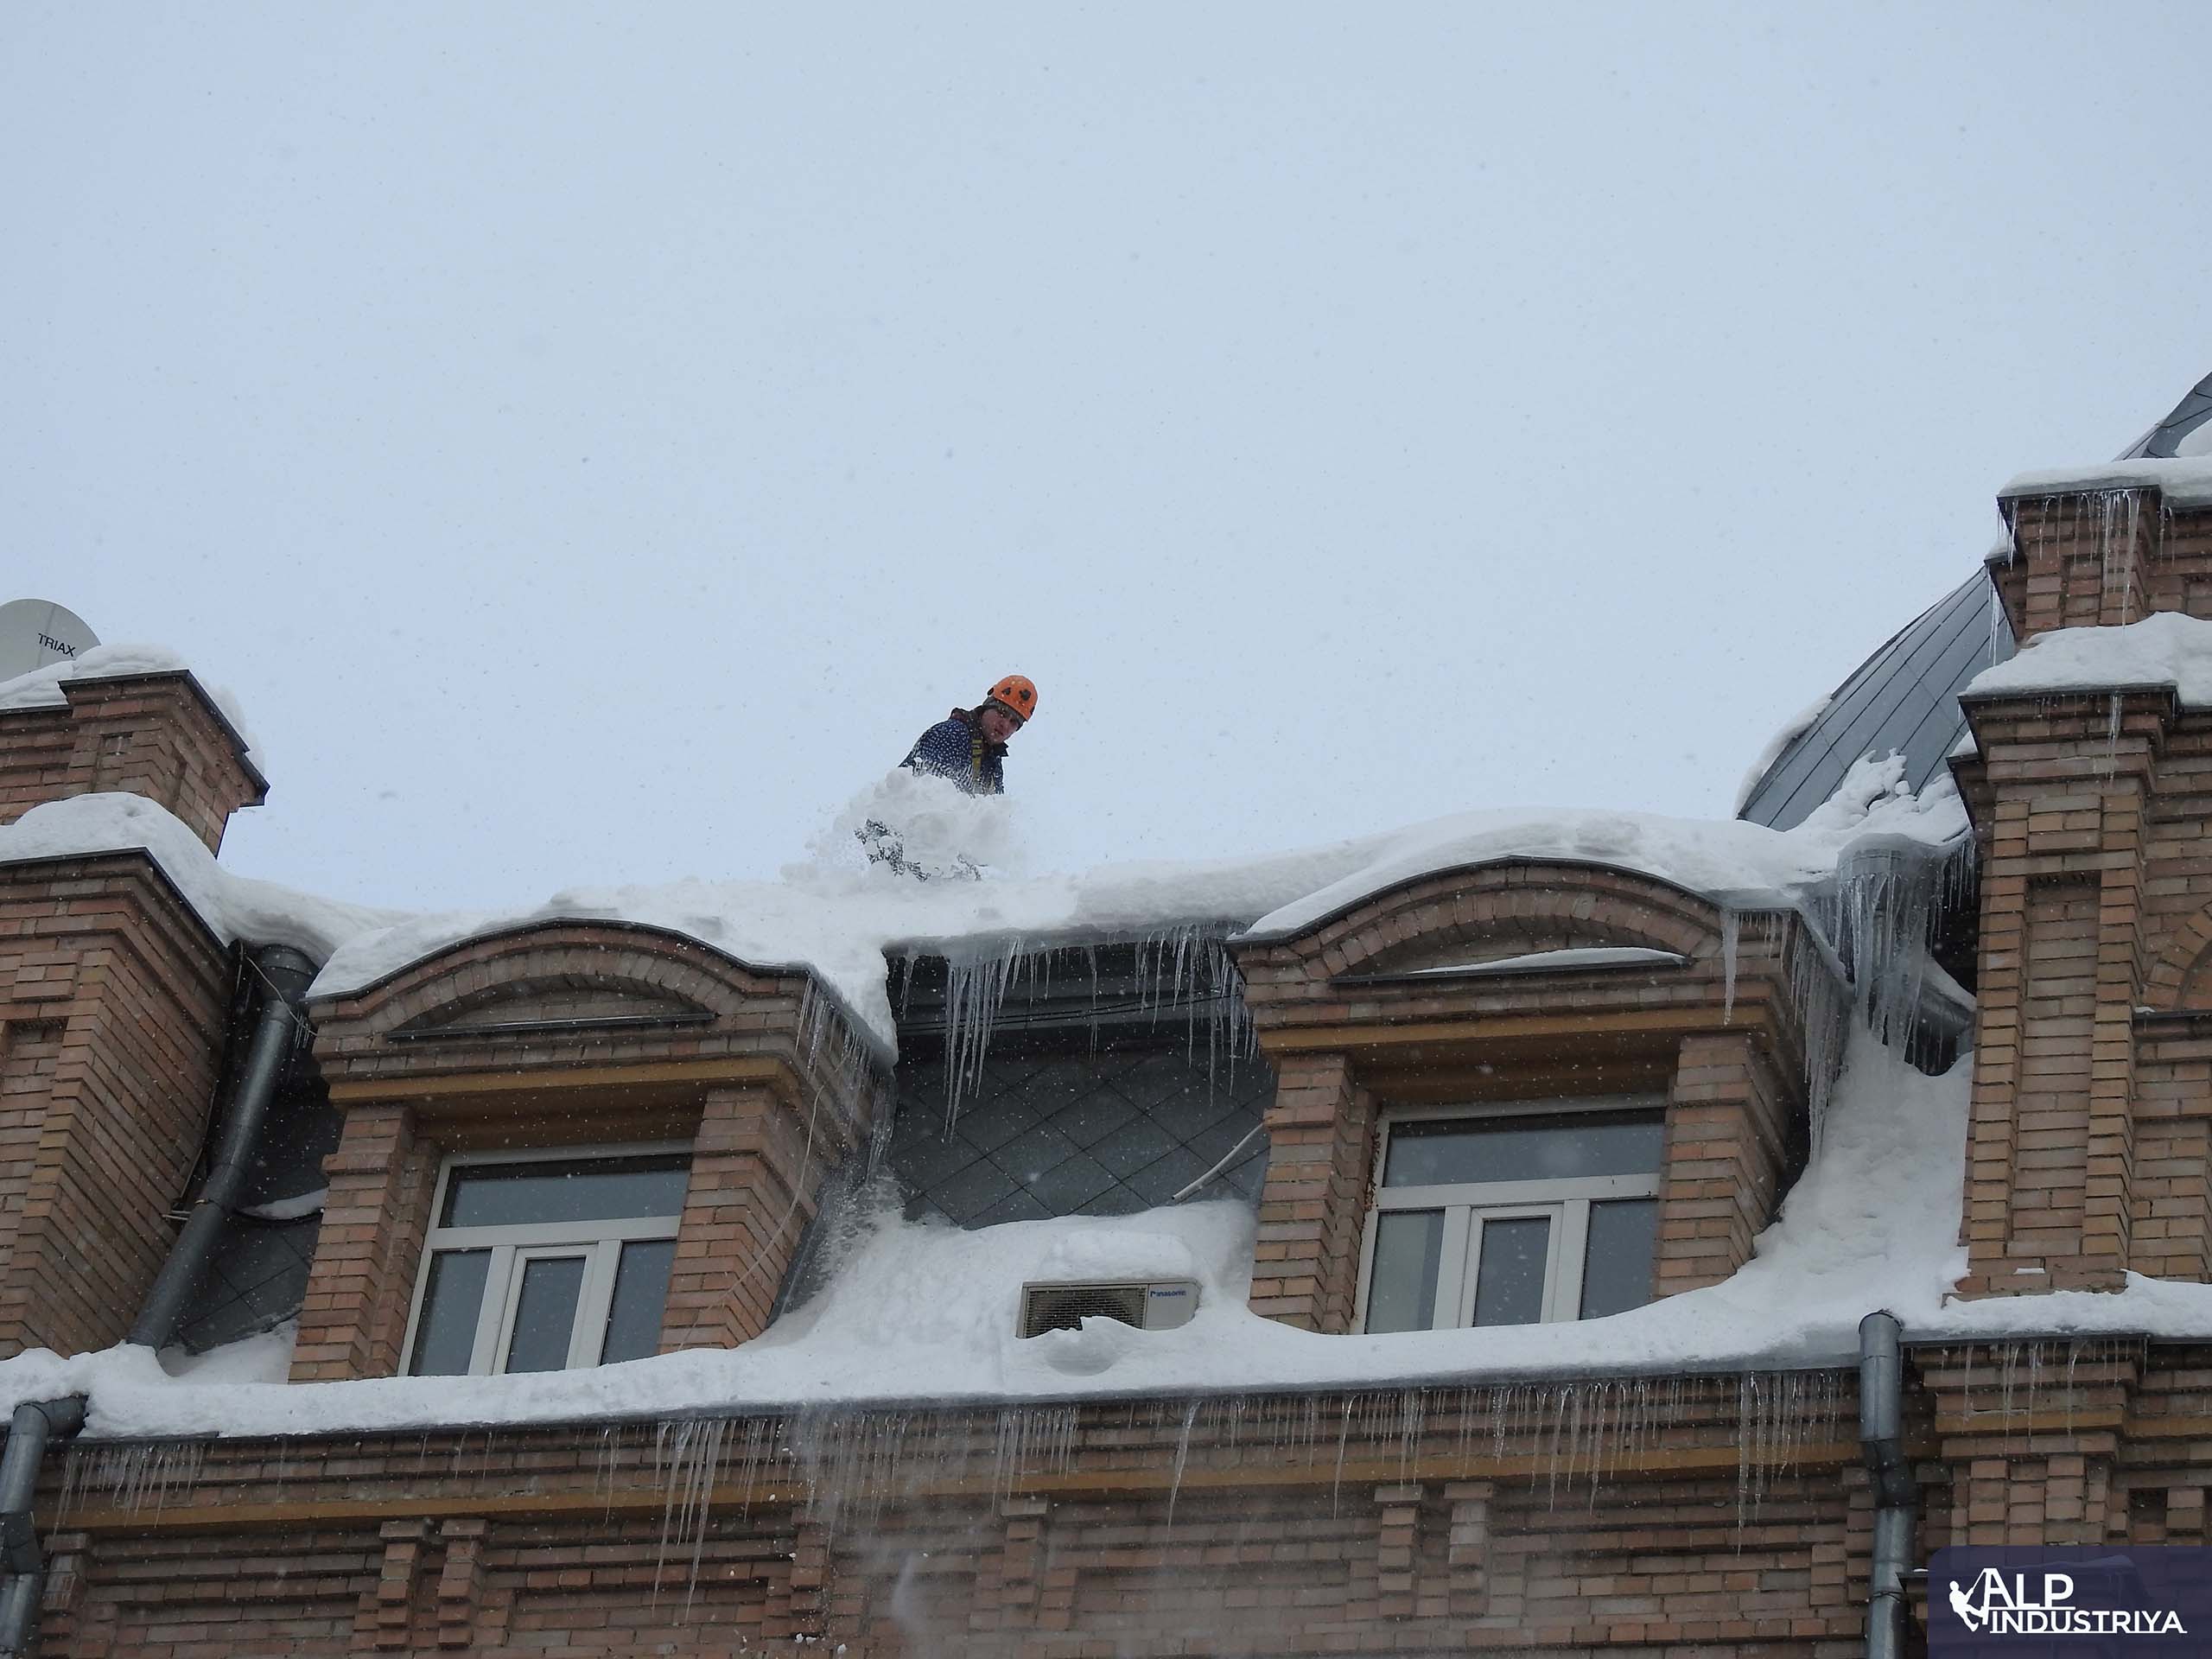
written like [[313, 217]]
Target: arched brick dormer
[[1456, 987], [576, 1034]]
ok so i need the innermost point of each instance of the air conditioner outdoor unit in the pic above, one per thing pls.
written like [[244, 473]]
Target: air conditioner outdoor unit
[[1160, 1305]]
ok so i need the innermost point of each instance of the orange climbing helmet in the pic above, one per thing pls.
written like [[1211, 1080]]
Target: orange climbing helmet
[[1017, 693]]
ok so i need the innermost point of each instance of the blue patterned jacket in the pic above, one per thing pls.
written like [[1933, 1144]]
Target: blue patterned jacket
[[956, 748]]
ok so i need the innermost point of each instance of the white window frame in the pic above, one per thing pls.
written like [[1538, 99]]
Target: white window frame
[[598, 1242], [1467, 1205]]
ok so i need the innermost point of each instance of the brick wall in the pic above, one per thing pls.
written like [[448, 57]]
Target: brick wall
[[580, 1034], [1355, 1020], [1313, 1208], [112, 999], [1730, 1152], [1720, 1515], [2101, 558], [755, 1175], [1629, 1513], [158, 735]]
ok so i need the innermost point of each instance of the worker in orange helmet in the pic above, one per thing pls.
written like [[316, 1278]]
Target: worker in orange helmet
[[968, 745]]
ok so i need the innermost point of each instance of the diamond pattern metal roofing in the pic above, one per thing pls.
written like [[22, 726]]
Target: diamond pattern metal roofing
[[1076, 1133]]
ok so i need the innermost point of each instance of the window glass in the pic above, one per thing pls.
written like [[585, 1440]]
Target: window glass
[[585, 1189], [545, 1313], [1509, 1284], [640, 1296], [445, 1335], [1401, 1293], [533, 1261], [1617, 1269], [1562, 1146]]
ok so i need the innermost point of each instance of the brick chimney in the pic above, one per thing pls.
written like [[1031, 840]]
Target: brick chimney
[[2087, 1149], [155, 734]]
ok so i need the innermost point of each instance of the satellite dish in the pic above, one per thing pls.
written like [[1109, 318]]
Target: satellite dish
[[35, 632]]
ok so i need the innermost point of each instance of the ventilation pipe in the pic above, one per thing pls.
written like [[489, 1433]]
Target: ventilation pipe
[[1881, 1443], [286, 975], [35, 1424]]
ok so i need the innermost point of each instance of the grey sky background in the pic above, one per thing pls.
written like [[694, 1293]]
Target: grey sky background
[[592, 442]]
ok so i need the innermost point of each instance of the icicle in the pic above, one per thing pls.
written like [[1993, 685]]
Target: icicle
[[134, 1476], [2119, 518], [1731, 927], [684, 1455], [974, 993], [1182, 1456], [1997, 618]]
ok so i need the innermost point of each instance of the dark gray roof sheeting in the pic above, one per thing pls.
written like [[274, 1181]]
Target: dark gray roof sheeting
[[2165, 439], [1903, 698]]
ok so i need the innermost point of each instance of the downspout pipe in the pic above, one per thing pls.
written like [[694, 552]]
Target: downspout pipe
[[35, 1423], [1896, 1499], [287, 974]]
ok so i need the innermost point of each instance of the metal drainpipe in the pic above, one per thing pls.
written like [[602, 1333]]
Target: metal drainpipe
[[35, 1424], [1897, 1500], [288, 974]]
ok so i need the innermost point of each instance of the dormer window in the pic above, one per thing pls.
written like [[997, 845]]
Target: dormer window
[[1513, 1214], [547, 1261]]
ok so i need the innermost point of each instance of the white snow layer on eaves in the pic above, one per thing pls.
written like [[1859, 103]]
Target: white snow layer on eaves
[[235, 907], [2182, 481], [2168, 649], [41, 686]]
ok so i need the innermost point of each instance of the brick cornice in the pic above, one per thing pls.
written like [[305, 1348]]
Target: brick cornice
[[184, 936], [86, 696]]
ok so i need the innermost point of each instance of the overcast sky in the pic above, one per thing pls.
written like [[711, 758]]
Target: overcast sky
[[592, 442]]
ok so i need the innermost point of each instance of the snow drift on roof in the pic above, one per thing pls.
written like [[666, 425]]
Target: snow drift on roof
[[841, 924], [41, 686], [2168, 649], [234, 907]]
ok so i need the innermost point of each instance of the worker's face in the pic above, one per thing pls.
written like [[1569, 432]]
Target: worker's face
[[997, 724]]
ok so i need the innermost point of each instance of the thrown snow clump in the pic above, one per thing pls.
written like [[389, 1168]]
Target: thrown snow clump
[[938, 830]]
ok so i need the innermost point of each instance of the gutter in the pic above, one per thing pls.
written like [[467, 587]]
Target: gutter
[[35, 1424], [1896, 1499], [287, 974]]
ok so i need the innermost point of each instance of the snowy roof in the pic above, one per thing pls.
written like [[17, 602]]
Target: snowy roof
[[927, 1311], [1902, 700], [841, 925]]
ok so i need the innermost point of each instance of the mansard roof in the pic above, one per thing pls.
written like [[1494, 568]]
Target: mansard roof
[[1904, 699]]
